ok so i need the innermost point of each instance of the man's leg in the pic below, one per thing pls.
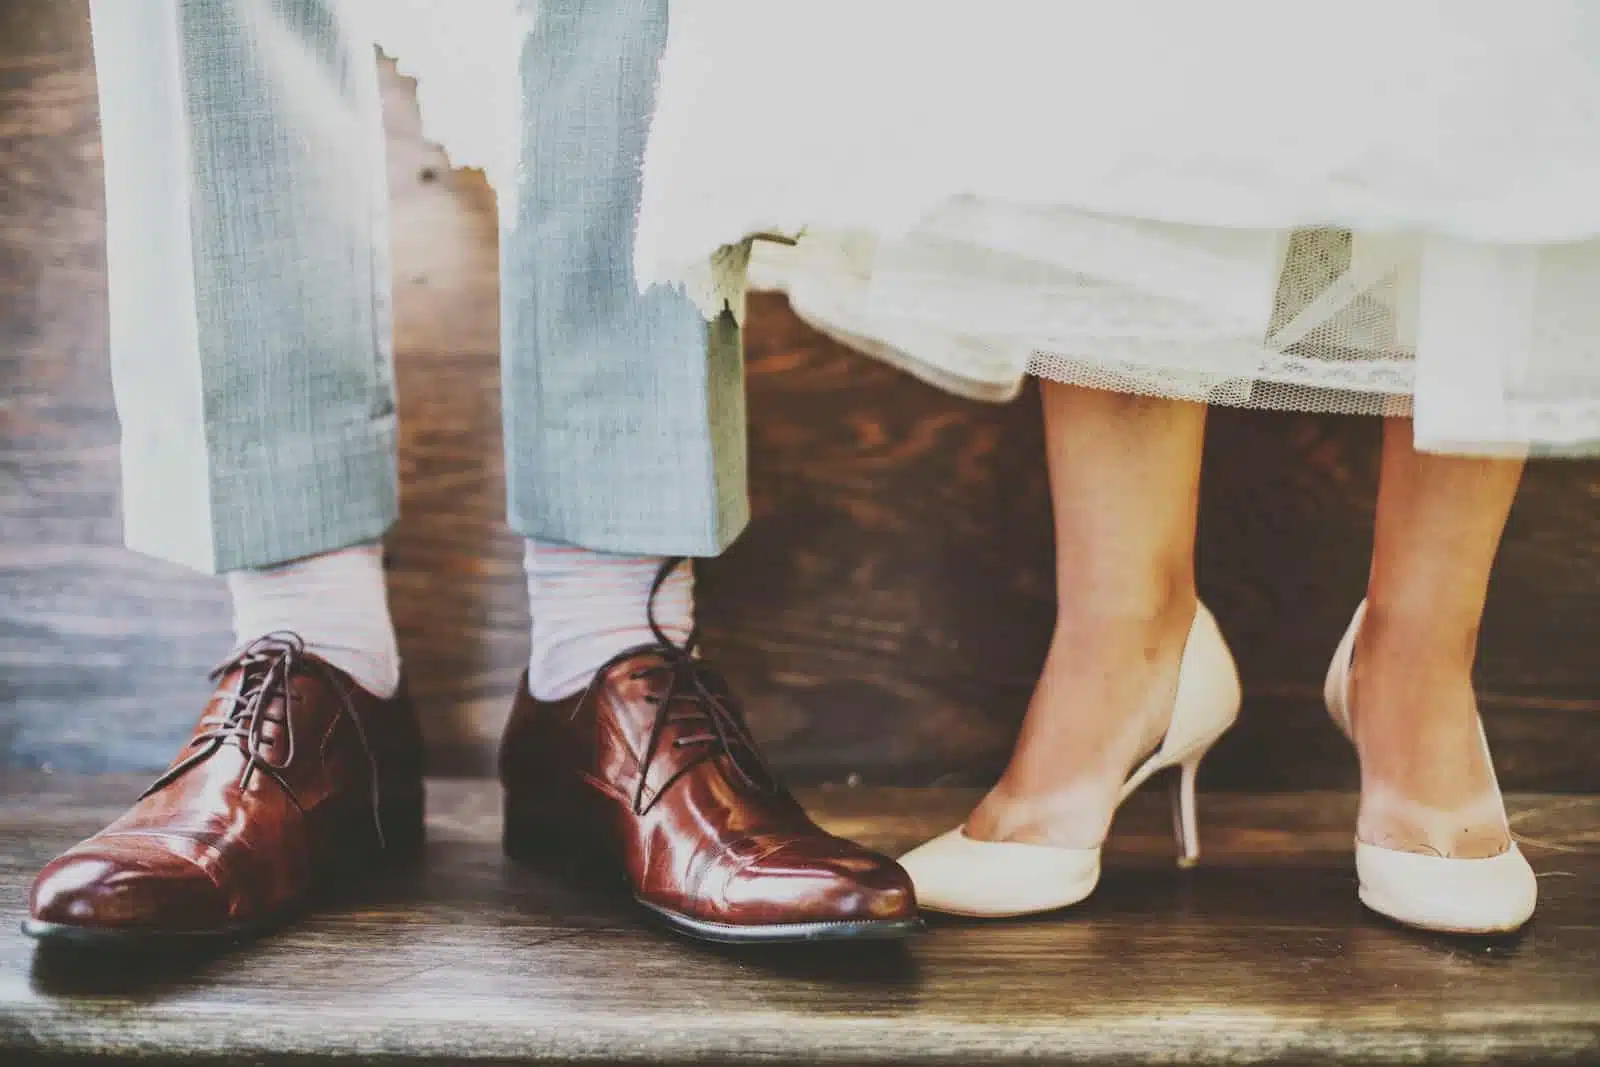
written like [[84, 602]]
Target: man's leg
[[625, 436], [247, 240], [247, 246], [625, 427], [247, 236], [624, 413]]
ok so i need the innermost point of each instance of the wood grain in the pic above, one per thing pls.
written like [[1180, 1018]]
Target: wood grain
[[884, 615], [1261, 955]]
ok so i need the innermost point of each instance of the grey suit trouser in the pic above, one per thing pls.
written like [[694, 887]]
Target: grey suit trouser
[[247, 242]]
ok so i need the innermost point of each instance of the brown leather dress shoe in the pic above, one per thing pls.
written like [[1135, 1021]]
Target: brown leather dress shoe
[[295, 776], [652, 775]]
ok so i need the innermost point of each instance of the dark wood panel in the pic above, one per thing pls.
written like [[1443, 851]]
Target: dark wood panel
[[1260, 955], [884, 614], [898, 573]]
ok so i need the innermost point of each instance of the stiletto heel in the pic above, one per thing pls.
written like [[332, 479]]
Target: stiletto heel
[[1458, 896], [1185, 823], [956, 874]]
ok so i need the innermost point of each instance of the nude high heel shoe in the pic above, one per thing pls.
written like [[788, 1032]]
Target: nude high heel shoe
[[958, 875], [1493, 895]]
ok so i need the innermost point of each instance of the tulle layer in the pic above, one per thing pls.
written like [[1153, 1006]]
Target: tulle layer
[[1490, 347]]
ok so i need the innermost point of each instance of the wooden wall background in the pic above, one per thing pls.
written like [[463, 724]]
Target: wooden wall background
[[884, 615]]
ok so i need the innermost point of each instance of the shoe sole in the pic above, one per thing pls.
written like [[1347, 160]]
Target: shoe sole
[[786, 933], [113, 938], [1004, 913]]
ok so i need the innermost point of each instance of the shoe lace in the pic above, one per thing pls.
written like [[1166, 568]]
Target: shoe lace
[[695, 696], [269, 664]]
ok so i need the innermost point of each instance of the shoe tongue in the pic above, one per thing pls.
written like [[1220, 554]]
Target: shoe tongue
[[253, 701], [650, 673]]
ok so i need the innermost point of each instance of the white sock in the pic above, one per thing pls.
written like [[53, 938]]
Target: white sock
[[588, 606], [337, 602]]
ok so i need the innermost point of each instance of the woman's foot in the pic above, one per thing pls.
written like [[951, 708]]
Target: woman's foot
[[1103, 703], [1427, 784], [1119, 702], [1433, 849]]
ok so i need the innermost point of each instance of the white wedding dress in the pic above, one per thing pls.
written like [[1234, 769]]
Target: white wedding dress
[[1335, 207], [1371, 207]]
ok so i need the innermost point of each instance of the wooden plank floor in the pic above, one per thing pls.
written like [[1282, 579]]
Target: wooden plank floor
[[1261, 955]]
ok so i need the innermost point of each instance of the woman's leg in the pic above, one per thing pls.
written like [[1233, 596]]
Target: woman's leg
[[1124, 479], [1427, 784]]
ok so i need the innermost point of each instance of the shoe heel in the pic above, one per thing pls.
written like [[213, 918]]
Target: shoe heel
[[402, 812], [530, 836], [1185, 821], [525, 836]]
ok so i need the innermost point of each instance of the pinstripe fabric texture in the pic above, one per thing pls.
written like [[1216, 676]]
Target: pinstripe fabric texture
[[247, 241]]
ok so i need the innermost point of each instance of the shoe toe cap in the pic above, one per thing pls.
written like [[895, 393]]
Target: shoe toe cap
[[826, 880], [960, 875], [1472, 896], [106, 889]]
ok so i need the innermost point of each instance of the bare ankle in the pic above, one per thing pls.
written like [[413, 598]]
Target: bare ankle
[[1085, 612], [1419, 635]]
